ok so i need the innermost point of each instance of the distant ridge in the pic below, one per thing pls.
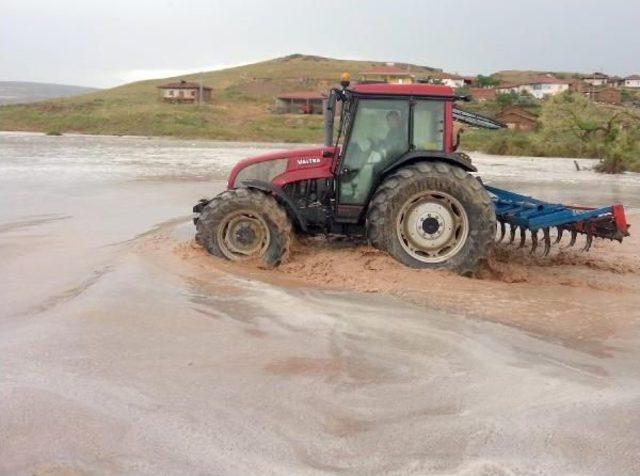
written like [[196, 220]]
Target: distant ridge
[[22, 92]]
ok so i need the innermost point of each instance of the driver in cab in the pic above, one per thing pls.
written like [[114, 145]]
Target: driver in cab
[[374, 153], [395, 142]]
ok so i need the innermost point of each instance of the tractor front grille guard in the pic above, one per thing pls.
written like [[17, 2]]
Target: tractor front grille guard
[[524, 214]]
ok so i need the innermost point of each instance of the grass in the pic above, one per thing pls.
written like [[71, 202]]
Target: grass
[[243, 99]]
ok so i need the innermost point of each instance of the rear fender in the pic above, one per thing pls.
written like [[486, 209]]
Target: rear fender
[[281, 197], [457, 159]]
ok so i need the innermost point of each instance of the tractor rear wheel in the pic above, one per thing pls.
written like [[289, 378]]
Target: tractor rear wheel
[[433, 215], [243, 224]]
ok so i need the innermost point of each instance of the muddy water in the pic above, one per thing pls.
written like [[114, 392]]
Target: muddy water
[[126, 349]]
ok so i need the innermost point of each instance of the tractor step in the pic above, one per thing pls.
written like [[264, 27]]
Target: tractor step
[[524, 214]]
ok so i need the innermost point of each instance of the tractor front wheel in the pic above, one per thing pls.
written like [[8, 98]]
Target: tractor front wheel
[[433, 215], [243, 224]]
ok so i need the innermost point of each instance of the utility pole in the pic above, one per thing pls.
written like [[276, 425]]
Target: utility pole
[[200, 92]]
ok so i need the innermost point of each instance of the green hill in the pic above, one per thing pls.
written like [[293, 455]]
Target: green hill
[[241, 109]]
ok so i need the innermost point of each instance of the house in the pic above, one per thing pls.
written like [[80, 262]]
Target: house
[[453, 80], [185, 92], [518, 119], [482, 94], [615, 82], [447, 79], [470, 81], [538, 87], [596, 79], [606, 95], [388, 74], [303, 102], [632, 81], [508, 88]]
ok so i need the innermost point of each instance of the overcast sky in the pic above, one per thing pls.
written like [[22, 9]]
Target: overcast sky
[[106, 43]]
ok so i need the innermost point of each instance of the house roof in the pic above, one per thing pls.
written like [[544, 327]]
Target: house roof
[[633, 76], [536, 80], [450, 76], [482, 93], [508, 86], [596, 75], [387, 70], [547, 80], [182, 85], [306, 95], [518, 111]]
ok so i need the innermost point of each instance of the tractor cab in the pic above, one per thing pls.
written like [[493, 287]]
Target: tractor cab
[[383, 127]]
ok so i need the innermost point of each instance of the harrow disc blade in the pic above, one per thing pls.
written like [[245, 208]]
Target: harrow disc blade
[[547, 241], [559, 237], [512, 233], [589, 242], [534, 241], [523, 237], [574, 235]]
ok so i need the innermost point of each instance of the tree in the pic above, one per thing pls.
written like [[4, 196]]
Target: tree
[[506, 99], [487, 81], [612, 135]]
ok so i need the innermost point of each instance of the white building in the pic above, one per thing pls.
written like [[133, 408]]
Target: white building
[[452, 80], [538, 88], [632, 81], [596, 79]]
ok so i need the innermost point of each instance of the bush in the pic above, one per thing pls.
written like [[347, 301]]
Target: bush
[[570, 126]]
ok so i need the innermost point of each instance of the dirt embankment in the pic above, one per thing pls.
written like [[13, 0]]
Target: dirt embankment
[[578, 298]]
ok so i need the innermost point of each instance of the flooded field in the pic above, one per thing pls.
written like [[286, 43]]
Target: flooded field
[[125, 349]]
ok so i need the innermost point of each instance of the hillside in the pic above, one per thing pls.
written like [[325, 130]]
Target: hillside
[[241, 108], [21, 92]]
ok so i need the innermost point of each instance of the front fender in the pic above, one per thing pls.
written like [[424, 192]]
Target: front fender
[[281, 197]]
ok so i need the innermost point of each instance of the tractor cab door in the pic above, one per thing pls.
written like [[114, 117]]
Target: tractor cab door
[[382, 131], [379, 135]]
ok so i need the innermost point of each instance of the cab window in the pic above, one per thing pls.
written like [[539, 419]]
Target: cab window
[[379, 136], [428, 125]]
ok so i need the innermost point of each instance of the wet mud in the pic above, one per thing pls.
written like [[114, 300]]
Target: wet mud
[[571, 296], [127, 349]]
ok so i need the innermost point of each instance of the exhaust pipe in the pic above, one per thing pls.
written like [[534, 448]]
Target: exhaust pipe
[[329, 115]]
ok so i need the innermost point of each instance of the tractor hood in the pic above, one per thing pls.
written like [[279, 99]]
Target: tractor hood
[[285, 166]]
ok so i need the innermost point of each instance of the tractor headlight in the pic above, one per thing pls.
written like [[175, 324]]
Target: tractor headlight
[[264, 171]]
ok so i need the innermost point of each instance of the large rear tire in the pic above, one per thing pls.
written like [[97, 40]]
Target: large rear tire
[[244, 224], [433, 215]]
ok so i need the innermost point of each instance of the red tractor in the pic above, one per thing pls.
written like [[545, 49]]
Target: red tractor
[[392, 174]]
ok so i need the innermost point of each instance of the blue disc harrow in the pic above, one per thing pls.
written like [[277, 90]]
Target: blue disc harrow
[[522, 214]]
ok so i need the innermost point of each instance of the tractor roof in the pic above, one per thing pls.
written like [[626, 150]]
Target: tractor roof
[[404, 89]]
